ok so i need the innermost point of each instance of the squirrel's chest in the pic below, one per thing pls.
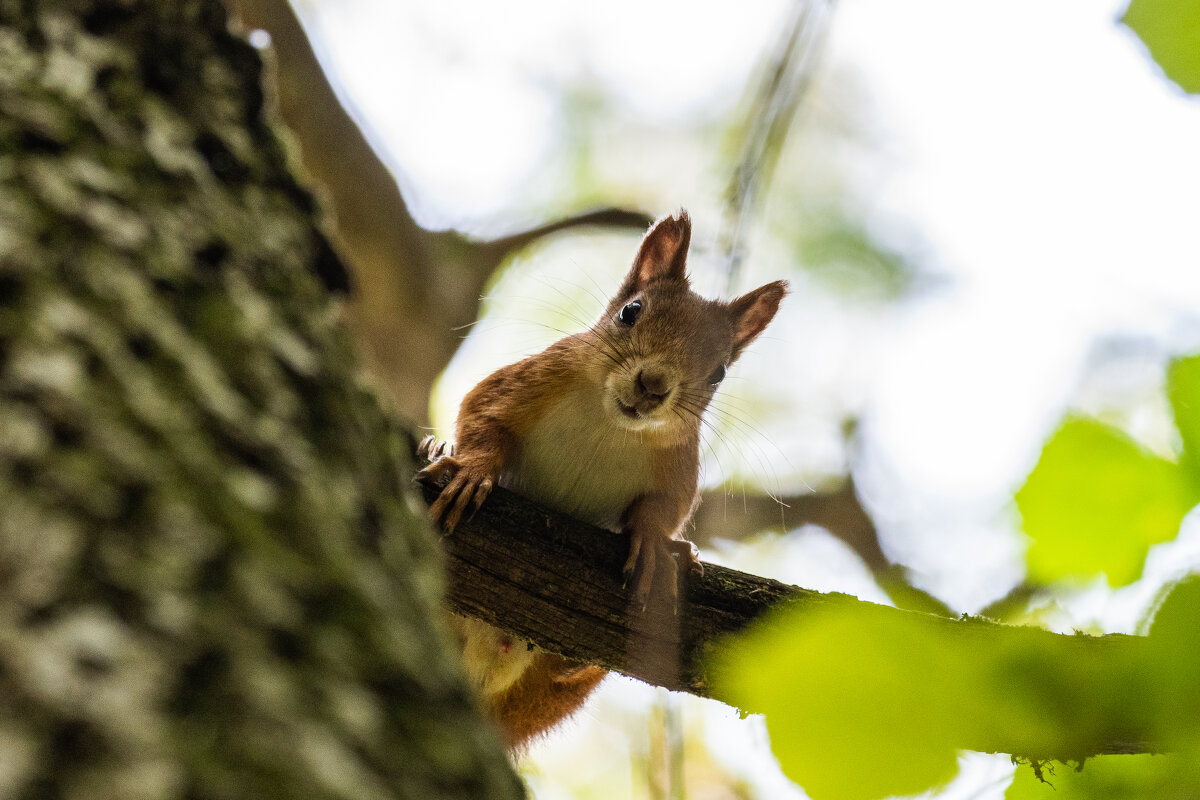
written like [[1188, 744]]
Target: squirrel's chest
[[577, 461]]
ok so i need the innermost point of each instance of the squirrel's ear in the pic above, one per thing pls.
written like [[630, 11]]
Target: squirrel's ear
[[753, 311], [663, 253]]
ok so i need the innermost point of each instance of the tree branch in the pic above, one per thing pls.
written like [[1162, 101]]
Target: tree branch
[[611, 217], [784, 84], [838, 511], [557, 582]]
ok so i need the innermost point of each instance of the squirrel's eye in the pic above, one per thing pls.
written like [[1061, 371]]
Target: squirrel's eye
[[717, 376], [630, 312]]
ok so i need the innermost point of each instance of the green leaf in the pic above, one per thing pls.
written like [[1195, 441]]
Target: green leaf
[[1173, 669], [1141, 777], [866, 702], [834, 703], [1170, 29], [1175, 619], [1183, 390], [1095, 503]]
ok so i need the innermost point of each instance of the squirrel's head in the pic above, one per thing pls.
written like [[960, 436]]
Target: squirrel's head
[[663, 348]]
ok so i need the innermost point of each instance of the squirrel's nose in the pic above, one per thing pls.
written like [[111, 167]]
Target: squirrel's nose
[[654, 385]]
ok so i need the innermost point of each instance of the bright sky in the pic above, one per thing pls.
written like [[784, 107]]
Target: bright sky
[[1056, 173], [1050, 168]]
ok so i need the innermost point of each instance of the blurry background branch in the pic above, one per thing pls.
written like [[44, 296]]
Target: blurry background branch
[[786, 79], [414, 287], [839, 511]]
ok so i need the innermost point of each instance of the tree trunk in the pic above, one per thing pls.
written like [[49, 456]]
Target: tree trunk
[[213, 580]]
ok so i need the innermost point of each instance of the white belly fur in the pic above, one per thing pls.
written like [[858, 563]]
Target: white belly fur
[[578, 462]]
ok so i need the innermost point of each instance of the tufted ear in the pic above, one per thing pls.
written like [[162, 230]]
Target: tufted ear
[[663, 254], [753, 311]]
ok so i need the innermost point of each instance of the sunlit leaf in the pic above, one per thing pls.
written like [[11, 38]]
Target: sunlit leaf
[[1095, 503], [1183, 390], [836, 700], [1168, 693], [868, 702], [1170, 29], [1140, 777], [1173, 667], [1177, 618]]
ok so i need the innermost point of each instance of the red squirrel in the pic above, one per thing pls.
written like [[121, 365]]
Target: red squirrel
[[603, 425]]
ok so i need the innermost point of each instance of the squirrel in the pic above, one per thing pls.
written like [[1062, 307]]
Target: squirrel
[[603, 425]]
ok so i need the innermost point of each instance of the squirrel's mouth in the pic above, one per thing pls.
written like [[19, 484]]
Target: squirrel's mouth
[[634, 409], [635, 418], [628, 411]]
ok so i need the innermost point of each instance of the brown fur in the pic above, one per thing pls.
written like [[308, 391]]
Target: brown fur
[[549, 691], [604, 425]]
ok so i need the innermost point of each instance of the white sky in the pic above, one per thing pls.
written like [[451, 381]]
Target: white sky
[[1054, 173]]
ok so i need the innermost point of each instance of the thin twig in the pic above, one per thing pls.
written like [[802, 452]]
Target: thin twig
[[600, 218], [784, 87]]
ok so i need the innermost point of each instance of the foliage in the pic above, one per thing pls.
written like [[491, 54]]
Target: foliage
[[1096, 500], [853, 684], [1171, 31], [1140, 777], [1183, 391]]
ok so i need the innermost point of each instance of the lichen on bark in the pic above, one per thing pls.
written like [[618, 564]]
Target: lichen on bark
[[214, 582]]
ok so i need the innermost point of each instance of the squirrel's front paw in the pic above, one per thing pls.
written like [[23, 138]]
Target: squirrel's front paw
[[469, 485], [649, 555]]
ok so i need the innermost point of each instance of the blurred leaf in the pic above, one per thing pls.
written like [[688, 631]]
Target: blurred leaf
[[1095, 503], [1177, 617], [844, 257], [1141, 777], [1173, 668], [836, 698], [1183, 390], [1170, 29], [866, 702]]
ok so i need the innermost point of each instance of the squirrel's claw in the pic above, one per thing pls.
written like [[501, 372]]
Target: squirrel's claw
[[467, 484], [424, 446], [432, 448], [635, 549], [481, 493], [438, 470], [472, 491], [467, 487]]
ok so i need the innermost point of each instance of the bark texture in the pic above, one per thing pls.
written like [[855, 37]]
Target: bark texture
[[214, 582]]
